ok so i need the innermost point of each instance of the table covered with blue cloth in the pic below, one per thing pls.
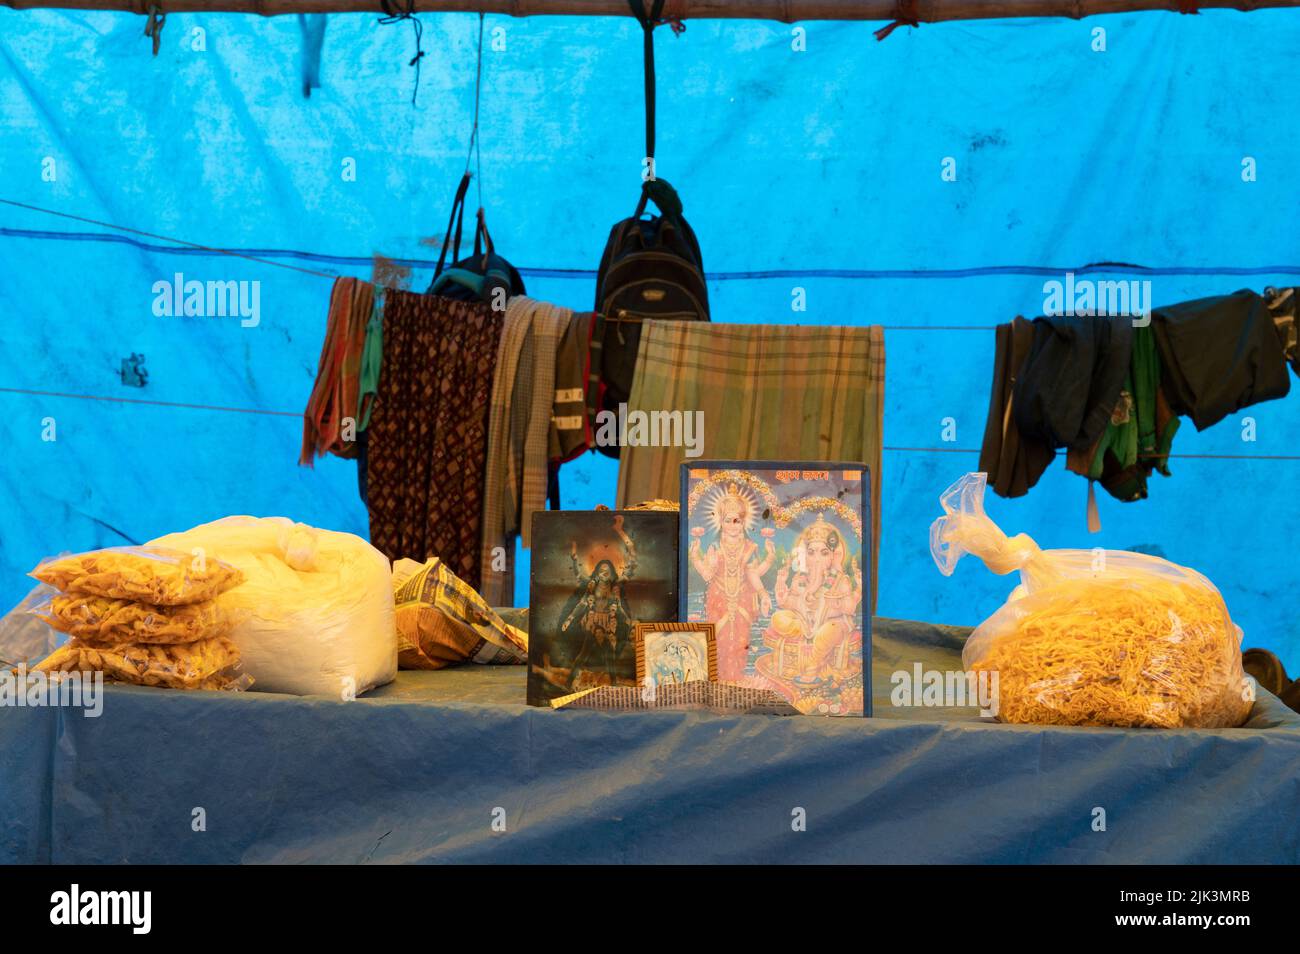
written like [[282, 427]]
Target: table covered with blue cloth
[[451, 766]]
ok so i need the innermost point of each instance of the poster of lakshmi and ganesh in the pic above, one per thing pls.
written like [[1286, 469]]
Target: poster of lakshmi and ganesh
[[771, 554]]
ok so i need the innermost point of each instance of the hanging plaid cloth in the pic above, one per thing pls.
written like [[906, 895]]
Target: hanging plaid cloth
[[767, 392]]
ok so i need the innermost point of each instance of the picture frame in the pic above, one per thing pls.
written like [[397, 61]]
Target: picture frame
[[682, 651], [594, 574], [777, 554]]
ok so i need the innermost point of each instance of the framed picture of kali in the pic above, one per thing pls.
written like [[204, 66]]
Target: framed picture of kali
[[595, 575], [772, 554], [674, 653]]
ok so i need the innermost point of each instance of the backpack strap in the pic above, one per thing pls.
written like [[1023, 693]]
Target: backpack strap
[[664, 196], [457, 276], [482, 238], [457, 218]]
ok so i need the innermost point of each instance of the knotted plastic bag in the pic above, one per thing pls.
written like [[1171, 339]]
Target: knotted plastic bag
[[1095, 637]]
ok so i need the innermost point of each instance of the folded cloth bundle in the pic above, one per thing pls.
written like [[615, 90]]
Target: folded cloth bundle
[[441, 621]]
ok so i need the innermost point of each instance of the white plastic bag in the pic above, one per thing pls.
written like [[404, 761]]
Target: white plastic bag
[[1095, 637], [315, 609]]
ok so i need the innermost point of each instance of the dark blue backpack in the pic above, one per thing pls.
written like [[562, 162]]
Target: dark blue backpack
[[485, 275]]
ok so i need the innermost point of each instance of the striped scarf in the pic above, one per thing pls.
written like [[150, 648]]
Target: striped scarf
[[523, 396], [329, 423]]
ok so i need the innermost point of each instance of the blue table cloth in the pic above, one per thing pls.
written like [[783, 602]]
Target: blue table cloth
[[451, 766]]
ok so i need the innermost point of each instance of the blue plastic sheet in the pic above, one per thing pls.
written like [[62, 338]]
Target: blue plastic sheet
[[818, 169], [450, 766]]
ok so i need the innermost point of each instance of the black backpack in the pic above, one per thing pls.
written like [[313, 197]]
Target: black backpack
[[478, 277], [652, 266]]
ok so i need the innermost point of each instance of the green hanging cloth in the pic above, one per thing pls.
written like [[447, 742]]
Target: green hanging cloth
[[372, 358]]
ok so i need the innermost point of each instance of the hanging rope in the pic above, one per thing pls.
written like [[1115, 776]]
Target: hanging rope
[[154, 25], [672, 15], [394, 14], [905, 14], [475, 152]]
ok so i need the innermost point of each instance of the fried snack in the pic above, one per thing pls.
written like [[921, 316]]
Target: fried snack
[[204, 664], [1095, 637], [155, 575], [101, 621], [1131, 653]]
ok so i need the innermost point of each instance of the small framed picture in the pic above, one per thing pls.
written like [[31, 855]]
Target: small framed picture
[[668, 653]]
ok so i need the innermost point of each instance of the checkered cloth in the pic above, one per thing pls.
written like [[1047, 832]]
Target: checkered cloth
[[768, 392], [441, 621], [519, 431]]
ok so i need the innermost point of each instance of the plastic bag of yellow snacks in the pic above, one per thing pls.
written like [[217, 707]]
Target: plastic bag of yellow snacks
[[155, 575]]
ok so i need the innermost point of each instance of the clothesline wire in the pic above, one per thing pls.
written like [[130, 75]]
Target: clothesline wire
[[562, 273], [168, 238], [126, 400], [887, 447], [1061, 453]]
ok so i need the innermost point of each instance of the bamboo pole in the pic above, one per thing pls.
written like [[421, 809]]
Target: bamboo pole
[[785, 11]]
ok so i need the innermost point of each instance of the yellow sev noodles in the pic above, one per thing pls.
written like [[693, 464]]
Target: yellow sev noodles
[[1095, 637], [1138, 650]]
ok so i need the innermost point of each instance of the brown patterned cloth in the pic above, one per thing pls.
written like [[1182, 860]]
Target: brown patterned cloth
[[428, 433]]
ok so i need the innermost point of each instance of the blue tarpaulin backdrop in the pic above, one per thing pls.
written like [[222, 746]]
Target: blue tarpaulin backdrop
[[815, 169]]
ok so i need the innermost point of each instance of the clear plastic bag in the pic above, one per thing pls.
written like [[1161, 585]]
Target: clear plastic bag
[[203, 664], [103, 621], [1095, 637], [24, 637], [160, 576]]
